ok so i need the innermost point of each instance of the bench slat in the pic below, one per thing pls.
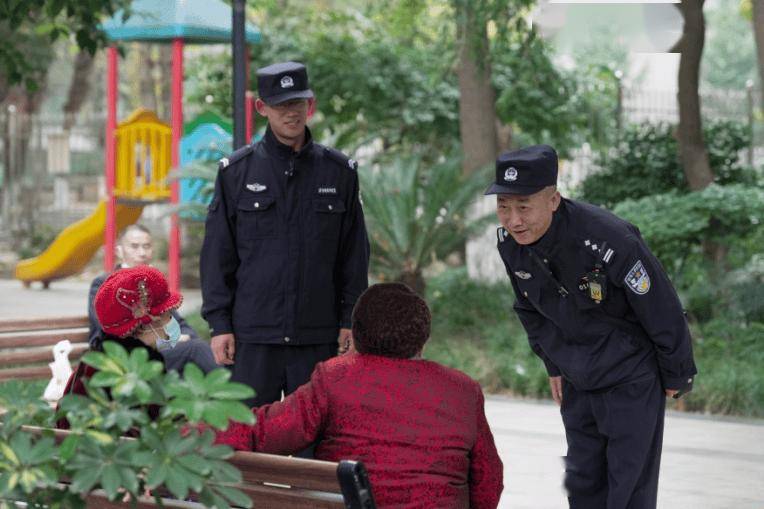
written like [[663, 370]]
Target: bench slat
[[43, 338], [25, 373], [43, 323], [46, 355], [291, 471], [291, 498]]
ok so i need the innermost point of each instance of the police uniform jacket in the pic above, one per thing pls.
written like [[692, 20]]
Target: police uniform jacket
[[285, 253], [637, 329]]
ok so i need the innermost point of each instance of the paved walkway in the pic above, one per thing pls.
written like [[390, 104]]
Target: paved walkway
[[708, 463]]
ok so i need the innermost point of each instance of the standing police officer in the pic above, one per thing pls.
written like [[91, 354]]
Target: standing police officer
[[285, 252], [602, 315]]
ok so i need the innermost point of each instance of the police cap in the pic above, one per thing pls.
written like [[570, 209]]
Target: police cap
[[282, 82], [525, 171]]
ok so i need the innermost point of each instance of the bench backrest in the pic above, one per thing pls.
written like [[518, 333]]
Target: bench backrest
[[26, 344], [271, 481]]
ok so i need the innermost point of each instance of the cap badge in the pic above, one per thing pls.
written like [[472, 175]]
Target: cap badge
[[511, 174], [287, 82]]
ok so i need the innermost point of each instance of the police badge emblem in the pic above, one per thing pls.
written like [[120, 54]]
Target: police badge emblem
[[637, 279], [511, 174], [287, 82]]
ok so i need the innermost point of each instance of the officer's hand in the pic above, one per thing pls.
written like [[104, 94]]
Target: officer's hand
[[671, 392], [223, 348], [345, 342], [555, 384]]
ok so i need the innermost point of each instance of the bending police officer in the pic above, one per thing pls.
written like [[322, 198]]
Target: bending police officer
[[601, 313], [285, 253]]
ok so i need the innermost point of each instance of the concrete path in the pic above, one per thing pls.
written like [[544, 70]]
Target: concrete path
[[708, 463]]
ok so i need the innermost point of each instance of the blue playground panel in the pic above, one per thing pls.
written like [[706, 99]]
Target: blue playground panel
[[207, 143]]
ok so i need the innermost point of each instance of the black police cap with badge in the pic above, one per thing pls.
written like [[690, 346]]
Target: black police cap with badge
[[281, 82], [525, 171]]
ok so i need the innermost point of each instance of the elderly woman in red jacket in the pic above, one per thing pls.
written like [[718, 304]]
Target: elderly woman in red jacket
[[134, 309], [418, 427]]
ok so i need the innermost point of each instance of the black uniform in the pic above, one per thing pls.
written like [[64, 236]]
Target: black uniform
[[285, 257], [600, 311]]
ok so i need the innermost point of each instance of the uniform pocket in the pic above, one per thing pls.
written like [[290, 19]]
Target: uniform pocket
[[256, 218], [328, 217]]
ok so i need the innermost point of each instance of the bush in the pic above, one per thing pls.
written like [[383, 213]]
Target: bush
[[93, 455], [646, 162]]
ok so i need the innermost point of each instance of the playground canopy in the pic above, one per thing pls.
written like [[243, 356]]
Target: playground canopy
[[194, 21]]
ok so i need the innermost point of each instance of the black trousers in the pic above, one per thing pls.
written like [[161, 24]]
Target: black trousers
[[614, 445], [270, 369]]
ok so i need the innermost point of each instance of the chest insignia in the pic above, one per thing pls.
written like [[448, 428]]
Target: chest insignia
[[257, 188], [327, 190], [523, 275], [637, 279]]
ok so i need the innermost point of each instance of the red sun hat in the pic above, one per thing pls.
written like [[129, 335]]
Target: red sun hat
[[132, 297]]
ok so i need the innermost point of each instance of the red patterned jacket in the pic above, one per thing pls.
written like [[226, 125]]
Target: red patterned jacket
[[418, 427]]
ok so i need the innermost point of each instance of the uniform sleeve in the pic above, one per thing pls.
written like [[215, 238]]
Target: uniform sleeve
[[656, 305], [219, 261], [486, 470], [536, 327], [354, 255], [94, 331]]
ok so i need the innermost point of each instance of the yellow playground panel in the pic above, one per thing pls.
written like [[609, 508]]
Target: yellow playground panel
[[143, 145], [143, 152]]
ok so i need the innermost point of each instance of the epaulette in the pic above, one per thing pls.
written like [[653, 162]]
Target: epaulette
[[501, 234], [235, 156], [341, 158], [596, 250]]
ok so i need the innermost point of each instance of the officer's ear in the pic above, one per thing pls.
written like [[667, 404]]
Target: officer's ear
[[311, 107], [260, 106], [556, 198]]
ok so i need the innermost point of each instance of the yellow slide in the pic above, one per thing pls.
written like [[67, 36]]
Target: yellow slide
[[74, 246]]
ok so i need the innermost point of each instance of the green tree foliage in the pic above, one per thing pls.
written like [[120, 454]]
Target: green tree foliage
[[22, 21], [729, 56], [95, 455], [645, 161]]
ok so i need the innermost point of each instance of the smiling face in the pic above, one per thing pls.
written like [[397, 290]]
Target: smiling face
[[527, 218], [288, 119]]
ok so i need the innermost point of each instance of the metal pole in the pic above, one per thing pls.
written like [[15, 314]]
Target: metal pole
[[177, 130], [239, 74], [749, 97], [110, 232], [619, 104]]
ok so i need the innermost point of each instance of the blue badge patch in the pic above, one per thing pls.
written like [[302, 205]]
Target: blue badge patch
[[637, 279]]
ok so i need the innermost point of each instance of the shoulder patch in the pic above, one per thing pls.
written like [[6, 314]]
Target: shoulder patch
[[340, 158], [501, 234], [236, 156], [637, 279]]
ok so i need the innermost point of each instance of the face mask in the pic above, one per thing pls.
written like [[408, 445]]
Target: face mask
[[172, 329]]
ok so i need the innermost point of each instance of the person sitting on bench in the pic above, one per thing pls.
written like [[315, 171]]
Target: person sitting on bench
[[134, 307], [418, 427], [134, 248]]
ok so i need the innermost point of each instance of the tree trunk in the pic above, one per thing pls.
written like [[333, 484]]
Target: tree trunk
[[78, 87], [758, 35], [692, 148], [414, 280], [477, 98], [165, 81], [146, 83]]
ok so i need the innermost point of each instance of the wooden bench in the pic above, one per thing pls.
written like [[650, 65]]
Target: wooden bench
[[271, 481], [26, 345]]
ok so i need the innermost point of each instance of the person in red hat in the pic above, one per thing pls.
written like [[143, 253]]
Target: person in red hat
[[134, 309], [418, 427]]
